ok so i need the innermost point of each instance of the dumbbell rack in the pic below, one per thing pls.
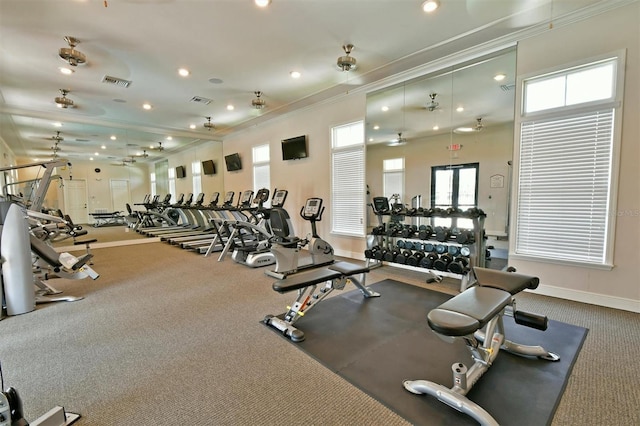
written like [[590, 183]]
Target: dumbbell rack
[[388, 240]]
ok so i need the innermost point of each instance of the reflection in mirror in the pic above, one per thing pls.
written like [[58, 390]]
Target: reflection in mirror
[[457, 116]]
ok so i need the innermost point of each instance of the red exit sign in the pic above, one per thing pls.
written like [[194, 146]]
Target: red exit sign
[[454, 147]]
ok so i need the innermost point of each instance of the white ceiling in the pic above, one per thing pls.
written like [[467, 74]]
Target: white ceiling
[[232, 49]]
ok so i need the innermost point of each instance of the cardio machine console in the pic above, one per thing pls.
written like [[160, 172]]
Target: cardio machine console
[[312, 208]]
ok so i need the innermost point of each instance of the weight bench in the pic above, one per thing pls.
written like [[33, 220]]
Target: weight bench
[[305, 283], [58, 265], [476, 316], [107, 219]]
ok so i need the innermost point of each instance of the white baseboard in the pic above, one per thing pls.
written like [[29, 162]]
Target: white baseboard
[[590, 298]]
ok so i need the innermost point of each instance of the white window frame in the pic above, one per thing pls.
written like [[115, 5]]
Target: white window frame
[[171, 172], [196, 177], [348, 188], [523, 246], [261, 157], [152, 180], [393, 173]]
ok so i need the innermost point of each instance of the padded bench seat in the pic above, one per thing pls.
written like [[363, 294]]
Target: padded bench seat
[[507, 281], [317, 276], [468, 311]]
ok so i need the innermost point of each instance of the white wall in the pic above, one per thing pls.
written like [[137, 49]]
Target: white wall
[[618, 29], [304, 178]]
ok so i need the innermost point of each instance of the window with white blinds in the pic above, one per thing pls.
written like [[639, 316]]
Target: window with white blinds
[[152, 179], [347, 180], [196, 177], [172, 184], [393, 177], [565, 177], [261, 168]]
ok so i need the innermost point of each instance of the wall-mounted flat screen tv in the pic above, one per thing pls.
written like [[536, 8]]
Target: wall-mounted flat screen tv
[[208, 167], [233, 162], [181, 172], [294, 148]]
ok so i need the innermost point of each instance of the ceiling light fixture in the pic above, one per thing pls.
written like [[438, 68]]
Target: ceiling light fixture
[[63, 101], [258, 102], [499, 77], [70, 55], [295, 74], [430, 5], [208, 124], [184, 72], [66, 71], [146, 106], [230, 107], [262, 3], [460, 109], [192, 126], [347, 62]]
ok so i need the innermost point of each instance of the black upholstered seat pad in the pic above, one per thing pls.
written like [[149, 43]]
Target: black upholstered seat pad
[[305, 279], [347, 268], [507, 281], [477, 303]]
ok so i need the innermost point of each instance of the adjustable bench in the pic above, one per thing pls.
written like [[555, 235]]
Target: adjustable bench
[[106, 219], [305, 283], [60, 265], [476, 316]]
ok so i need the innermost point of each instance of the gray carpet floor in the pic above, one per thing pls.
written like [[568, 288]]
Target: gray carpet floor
[[168, 337]]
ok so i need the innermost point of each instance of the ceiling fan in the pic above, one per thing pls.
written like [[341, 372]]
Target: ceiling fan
[[399, 141], [433, 104], [157, 148], [347, 62]]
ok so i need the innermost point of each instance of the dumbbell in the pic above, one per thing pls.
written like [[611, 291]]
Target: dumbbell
[[371, 253], [441, 248], [408, 231], [401, 244], [428, 247], [415, 258], [390, 255], [379, 230], [379, 254], [417, 245], [402, 257], [443, 262], [424, 232], [428, 260], [465, 237], [458, 265], [442, 233], [453, 250], [465, 251]]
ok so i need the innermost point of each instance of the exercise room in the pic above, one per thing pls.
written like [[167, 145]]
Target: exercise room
[[325, 213]]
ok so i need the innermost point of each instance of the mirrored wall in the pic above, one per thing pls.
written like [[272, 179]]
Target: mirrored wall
[[457, 116]]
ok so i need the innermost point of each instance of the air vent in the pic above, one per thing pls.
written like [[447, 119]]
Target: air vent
[[201, 100], [115, 80], [507, 87]]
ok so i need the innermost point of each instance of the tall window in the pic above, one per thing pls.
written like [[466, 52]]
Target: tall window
[[566, 155], [347, 179], [172, 184], [261, 168], [196, 173], [393, 177], [152, 178], [454, 186]]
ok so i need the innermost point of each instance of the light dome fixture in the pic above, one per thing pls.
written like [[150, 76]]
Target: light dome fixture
[[430, 5], [63, 101], [70, 55], [262, 3], [208, 124], [258, 102], [347, 62]]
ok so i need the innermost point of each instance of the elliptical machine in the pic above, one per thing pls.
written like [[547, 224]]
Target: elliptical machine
[[286, 246]]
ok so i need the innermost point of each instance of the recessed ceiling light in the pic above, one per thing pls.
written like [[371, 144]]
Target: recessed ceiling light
[[430, 5], [146, 106], [376, 127], [103, 147], [436, 128], [385, 108], [460, 109], [57, 124], [66, 71], [96, 153], [113, 138], [192, 126], [169, 138], [262, 3], [499, 77], [230, 107], [295, 74], [184, 72], [370, 139]]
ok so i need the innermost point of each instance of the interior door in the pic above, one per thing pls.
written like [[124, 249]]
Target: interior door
[[120, 194], [75, 200]]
